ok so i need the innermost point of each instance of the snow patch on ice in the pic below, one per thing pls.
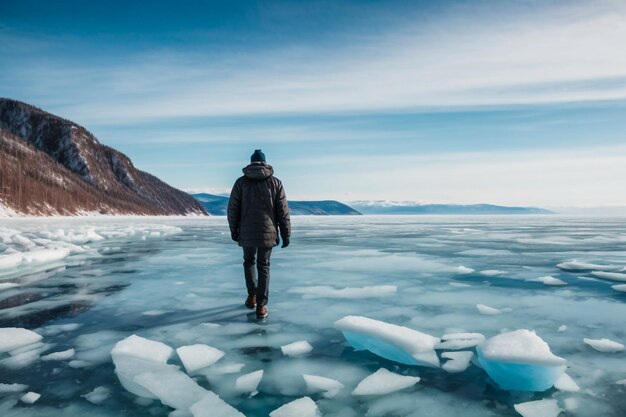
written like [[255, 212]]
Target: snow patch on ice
[[30, 397]]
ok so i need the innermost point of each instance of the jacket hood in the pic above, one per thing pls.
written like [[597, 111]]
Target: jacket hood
[[258, 171]]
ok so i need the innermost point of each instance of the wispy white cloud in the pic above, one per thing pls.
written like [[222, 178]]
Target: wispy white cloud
[[583, 177], [559, 54]]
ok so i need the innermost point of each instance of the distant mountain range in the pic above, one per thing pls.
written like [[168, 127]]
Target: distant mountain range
[[216, 205], [392, 207], [52, 166]]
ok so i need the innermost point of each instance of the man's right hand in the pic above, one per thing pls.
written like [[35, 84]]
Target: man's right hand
[[234, 236]]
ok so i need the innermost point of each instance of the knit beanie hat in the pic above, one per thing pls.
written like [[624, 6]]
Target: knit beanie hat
[[257, 156]]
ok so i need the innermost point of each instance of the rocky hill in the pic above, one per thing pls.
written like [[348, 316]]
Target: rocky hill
[[52, 166], [216, 205]]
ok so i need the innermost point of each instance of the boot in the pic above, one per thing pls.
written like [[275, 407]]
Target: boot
[[261, 312], [251, 301]]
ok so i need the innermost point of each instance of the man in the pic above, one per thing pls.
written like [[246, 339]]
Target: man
[[257, 209]]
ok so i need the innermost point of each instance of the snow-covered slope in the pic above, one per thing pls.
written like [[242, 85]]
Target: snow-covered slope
[[49, 165]]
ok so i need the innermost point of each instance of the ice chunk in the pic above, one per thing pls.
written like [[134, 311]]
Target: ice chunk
[[459, 361], [249, 382], [134, 356], [98, 395], [383, 382], [571, 404], [302, 407], [455, 341], [59, 328], [348, 292], [330, 387], [613, 276], [492, 272], [196, 357], [41, 256], [392, 342], [541, 408], [141, 348], [59, 356], [30, 397], [575, 265], [6, 388], [520, 361], [11, 260], [621, 382], [604, 345], [486, 310], [296, 348], [620, 287], [566, 383], [213, 406], [550, 280], [463, 270], [562, 328], [174, 388], [8, 285], [12, 338]]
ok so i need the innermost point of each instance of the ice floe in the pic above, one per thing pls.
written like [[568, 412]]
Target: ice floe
[[566, 383], [492, 272], [324, 291], [620, 287], [575, 265], [211, 405], [330, 387], [59, 356], [396, 343], [520, 360], [98, 395], [612, 276], [13, 338], [30, 397], [604, 345], [302, 407], [296, 348], [456, 341], [248, 383], [383, 382], [540, 408], [6, 388], [196, 357], [458, 361], [487, 310], [550, 280]]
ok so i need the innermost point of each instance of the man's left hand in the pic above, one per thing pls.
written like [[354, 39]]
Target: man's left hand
[[285, 242]]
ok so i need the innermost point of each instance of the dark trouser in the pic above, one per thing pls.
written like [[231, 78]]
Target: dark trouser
[[262, 256]]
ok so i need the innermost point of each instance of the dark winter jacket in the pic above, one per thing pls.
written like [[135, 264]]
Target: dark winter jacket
[[258, 208]]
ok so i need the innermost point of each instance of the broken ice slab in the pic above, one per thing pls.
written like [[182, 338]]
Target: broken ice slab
[[392, 342], [520, 361]]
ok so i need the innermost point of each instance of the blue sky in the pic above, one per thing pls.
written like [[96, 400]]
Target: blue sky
[[518, 103]]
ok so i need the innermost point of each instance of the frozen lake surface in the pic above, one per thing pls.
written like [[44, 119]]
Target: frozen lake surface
[[83, 285]]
